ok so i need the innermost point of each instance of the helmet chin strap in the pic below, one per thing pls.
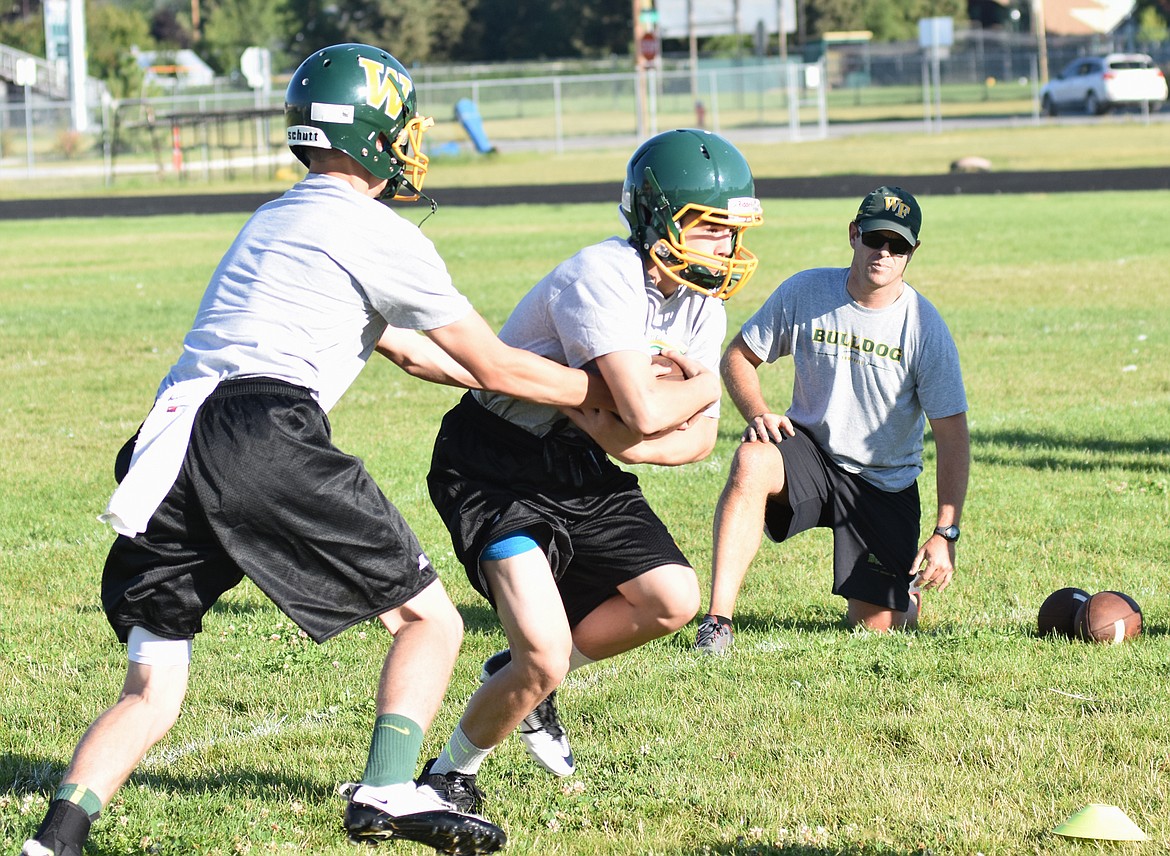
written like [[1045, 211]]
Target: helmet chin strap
[[434, 206], [389, 195]]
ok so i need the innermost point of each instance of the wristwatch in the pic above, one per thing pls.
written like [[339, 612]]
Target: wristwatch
[[951, 533]]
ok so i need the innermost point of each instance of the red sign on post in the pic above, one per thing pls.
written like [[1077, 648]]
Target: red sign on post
[[648, 46]]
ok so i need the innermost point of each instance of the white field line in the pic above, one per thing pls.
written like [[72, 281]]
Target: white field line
[[269, 727]]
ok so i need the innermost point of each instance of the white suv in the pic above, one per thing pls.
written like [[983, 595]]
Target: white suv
[[1094, 85]]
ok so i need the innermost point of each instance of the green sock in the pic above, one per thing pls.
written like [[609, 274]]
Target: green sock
[[393, 750], [82, 796]]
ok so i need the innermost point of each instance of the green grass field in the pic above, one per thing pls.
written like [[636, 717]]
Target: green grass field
[[968, 736]]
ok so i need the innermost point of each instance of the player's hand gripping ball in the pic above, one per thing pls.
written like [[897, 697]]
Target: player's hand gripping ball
[[1058, 613], [1110, 617], [666, 369]]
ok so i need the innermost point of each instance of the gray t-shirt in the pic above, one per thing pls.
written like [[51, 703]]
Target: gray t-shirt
[[309, 285], [865, 378], [598, 302]]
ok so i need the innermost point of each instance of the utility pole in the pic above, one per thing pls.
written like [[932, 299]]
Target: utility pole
[[781, 31], [693, 52], [645, 53], [1041, 39], [639, 70], [78, 67]]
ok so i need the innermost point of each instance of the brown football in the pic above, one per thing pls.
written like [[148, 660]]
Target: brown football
[[1110, 617], [1058, 613], [668, 366]]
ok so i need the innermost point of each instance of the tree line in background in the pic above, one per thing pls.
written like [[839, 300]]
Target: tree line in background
[[419, 31]]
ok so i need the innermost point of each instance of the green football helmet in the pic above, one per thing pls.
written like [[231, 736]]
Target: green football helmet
[[678, 180], [360, 100]]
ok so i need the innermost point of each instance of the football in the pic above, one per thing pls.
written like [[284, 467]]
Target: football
[[660, 362], [1110, 617], [1058, 613]]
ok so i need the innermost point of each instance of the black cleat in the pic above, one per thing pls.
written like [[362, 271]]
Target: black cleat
[[62, 833], [459, 789], [416, 813]]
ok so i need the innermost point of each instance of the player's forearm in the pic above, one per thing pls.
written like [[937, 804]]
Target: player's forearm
[[675, 448], [525, 375], [512, 371], [670, 403], [419, 357]]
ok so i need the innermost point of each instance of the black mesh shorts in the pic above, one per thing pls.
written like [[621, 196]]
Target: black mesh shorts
[[875, 532], [490, 478], [264, 493]]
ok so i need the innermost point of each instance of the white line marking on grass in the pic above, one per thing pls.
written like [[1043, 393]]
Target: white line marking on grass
[[267, 728]]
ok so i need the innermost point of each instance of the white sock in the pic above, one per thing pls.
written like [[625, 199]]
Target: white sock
[[460, 755]]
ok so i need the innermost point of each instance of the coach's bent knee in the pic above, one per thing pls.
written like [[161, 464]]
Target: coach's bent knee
[[756, 468]]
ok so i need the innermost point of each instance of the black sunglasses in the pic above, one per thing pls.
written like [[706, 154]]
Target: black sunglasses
[[877, 240]]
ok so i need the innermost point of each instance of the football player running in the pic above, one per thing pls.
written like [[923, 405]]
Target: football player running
[[234, 473], [551, 531]]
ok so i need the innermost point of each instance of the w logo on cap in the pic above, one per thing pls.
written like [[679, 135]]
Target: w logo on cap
[[892, 208]]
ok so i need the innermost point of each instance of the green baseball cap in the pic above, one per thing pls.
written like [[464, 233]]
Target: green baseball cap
[[890, 209]]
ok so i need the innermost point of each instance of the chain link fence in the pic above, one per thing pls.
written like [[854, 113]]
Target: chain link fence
[[229, 133]]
